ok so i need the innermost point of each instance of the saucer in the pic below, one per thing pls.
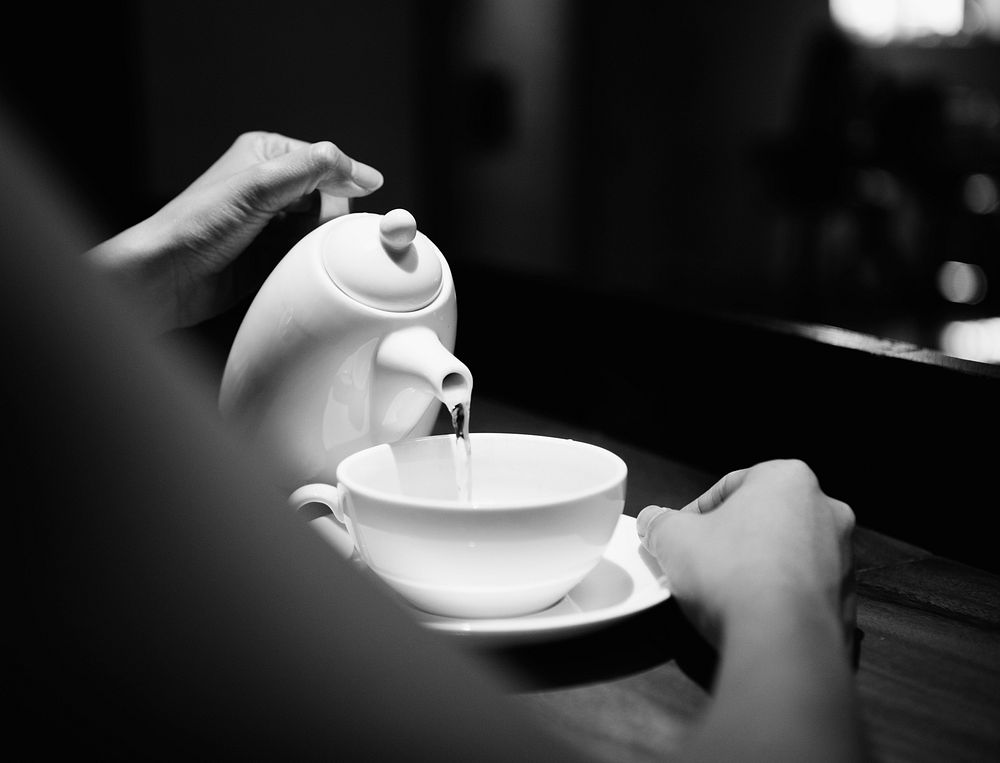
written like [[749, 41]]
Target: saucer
[[625, 582]]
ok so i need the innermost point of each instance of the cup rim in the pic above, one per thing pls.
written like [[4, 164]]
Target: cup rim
[[452, 504]]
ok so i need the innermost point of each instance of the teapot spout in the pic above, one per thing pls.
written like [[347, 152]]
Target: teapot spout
[[412, 368]]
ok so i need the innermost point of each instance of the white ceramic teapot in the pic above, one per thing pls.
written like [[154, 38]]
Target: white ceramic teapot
[[347, 344]]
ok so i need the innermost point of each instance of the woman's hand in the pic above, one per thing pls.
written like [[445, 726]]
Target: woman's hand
[[763, 534], [761, 564], [184, 265]]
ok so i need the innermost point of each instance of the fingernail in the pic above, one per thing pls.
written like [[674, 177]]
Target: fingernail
[[366, 177], [645, 519]]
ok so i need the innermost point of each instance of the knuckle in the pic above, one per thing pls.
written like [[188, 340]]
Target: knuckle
[[799, 470], [327, 155], [261, 144], [797, 466], [845, 513], [792, 469], [255, 192], [250, 137]]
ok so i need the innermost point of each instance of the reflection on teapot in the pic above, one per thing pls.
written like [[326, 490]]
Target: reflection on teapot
[[347, 344]]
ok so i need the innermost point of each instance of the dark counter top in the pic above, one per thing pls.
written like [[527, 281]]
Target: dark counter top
[[928, 657]]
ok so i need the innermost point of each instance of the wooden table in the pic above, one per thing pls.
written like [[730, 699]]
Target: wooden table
[[928, 662], [906, 436]]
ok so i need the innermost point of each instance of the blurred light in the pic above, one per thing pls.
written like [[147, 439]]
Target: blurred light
[[883, 21], [873, 20], [980, 193], [972, 340], [961, 282]]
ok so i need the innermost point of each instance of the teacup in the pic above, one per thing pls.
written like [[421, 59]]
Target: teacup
[[541, 512]]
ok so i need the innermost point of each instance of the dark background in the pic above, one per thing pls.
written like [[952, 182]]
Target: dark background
[[617, 187], [746, 157]]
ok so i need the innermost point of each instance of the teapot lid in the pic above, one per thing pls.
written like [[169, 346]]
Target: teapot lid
[[382, 261]]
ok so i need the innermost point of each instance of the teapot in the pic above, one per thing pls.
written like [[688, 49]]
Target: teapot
[[347, 344]]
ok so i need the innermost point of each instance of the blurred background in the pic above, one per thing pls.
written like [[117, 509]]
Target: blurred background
[[834, 161]]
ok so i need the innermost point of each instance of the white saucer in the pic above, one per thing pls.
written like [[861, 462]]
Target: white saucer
[[626, 581]]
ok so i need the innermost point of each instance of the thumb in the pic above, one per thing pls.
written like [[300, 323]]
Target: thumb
[[650, 523], [661, 529], [272, 185]]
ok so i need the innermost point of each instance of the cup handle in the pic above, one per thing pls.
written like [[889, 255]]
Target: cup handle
[[334, 528], [318, 492]]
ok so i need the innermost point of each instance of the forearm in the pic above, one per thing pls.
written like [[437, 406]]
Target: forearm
[[784, 690], [136, 271]]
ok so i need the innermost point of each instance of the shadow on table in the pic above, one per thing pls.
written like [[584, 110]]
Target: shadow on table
[[646, 640], [642, 642]]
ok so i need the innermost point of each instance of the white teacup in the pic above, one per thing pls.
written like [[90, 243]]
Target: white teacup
[[542, 512]]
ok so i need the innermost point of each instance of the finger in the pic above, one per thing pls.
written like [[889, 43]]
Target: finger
[[650, 526], [646, 518], [712, 498], [248, 149], [273, 185], [267, 145], [845, 514], [340, 174]]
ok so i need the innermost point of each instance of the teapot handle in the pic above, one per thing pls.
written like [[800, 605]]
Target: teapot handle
[[332, 527]]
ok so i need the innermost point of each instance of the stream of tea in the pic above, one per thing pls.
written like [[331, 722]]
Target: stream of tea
[[463, 450]]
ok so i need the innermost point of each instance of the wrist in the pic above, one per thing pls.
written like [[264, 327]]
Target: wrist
[[784, 679], [785, 613]]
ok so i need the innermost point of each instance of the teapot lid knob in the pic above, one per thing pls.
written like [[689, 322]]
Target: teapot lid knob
[[397, 230], [383, 261]]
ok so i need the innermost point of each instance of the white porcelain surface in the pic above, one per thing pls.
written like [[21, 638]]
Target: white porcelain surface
[[626, 581], [543, 510], [383, 261], [314, 374]]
